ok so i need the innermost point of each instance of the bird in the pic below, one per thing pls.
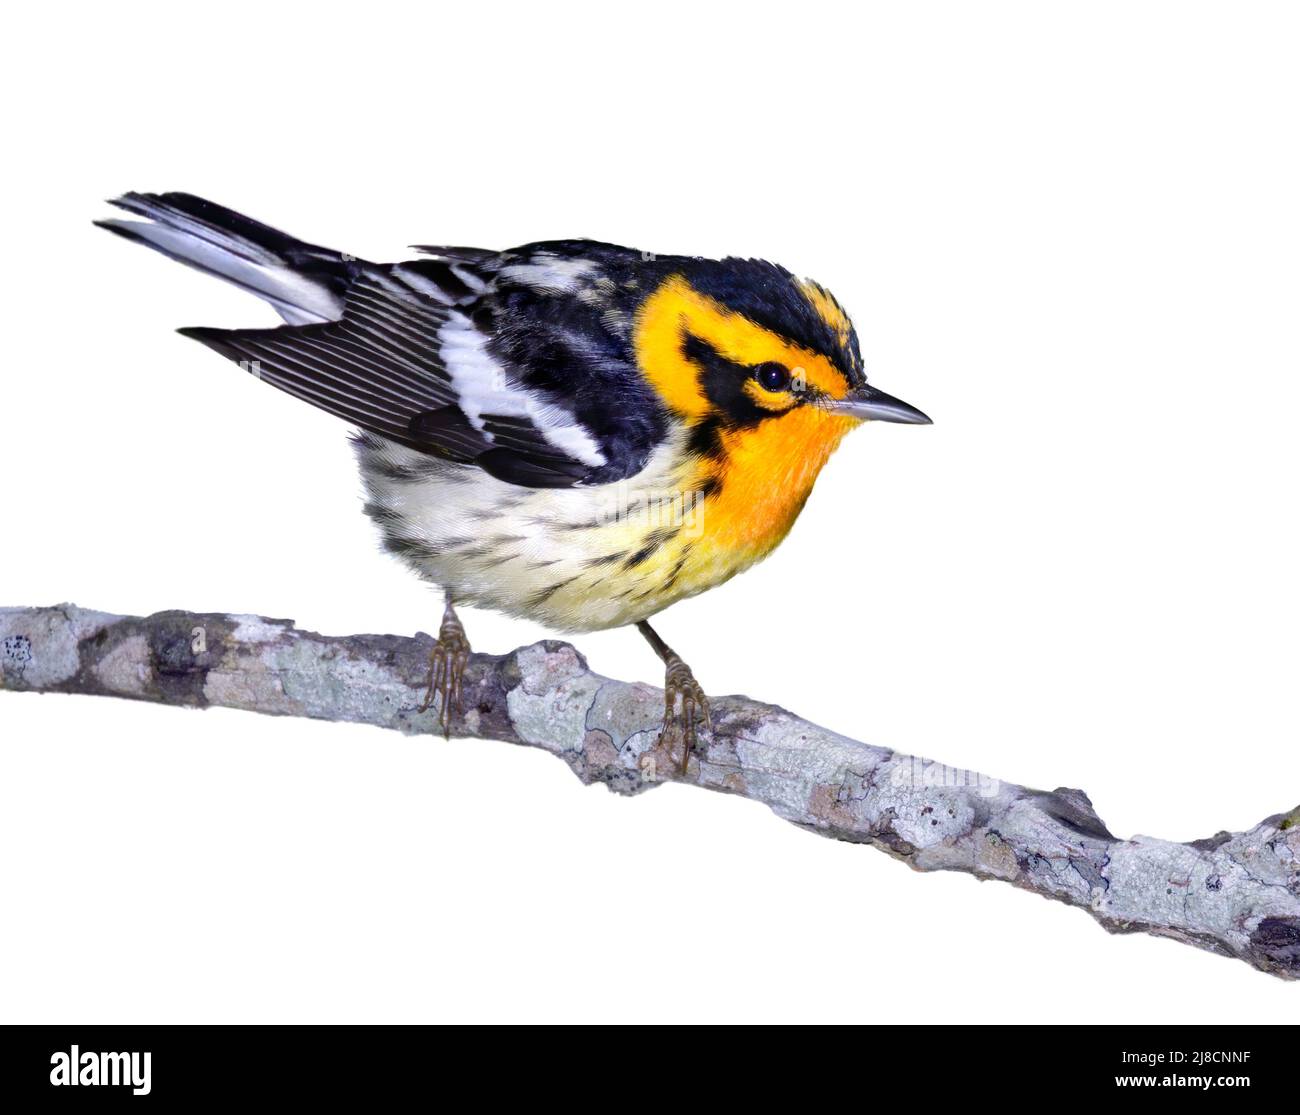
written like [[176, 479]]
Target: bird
[[569, 431]]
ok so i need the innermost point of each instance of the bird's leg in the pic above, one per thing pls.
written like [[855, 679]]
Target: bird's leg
[[447, 665], [679, 682]]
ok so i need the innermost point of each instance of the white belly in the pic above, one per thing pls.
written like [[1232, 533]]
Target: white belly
[[562, 556]]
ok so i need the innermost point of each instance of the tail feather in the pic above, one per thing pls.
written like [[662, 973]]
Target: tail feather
[[304, 282]]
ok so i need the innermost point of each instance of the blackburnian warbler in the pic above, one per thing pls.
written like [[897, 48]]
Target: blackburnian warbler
[[570, 431]]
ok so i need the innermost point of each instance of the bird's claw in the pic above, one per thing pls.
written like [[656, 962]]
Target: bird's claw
[[447, 662], [680, 728]]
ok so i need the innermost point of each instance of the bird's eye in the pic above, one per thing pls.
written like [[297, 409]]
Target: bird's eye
[[772, 377]]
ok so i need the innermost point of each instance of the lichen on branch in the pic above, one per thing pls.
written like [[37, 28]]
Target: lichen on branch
[[1237, 894]]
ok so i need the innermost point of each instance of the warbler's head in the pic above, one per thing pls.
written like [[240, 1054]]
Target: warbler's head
[[736, 344]]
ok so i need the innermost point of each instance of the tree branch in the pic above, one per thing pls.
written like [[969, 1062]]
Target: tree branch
[[1237, 894]]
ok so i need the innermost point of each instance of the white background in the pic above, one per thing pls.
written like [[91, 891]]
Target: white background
[[1069, 233]]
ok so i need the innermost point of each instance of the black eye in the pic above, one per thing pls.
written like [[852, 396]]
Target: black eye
[[772, 377]]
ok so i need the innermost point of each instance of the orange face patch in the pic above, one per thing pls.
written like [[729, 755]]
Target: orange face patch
[[677, 310], [765, 471]]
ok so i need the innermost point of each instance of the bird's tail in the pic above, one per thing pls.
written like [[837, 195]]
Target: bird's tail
[[304, 282]]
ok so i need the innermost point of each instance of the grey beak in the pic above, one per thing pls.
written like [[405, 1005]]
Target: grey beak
[[867, 402]]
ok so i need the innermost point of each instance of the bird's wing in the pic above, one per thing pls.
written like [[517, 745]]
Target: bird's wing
[[407, 361]]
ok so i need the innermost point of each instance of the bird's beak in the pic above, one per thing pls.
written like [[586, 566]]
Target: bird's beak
[[867, 402]]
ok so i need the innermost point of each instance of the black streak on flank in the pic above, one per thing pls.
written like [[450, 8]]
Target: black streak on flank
[[540, 598], [657, 539], [677, 569], [409, 548], [384, 515], [640, 556]]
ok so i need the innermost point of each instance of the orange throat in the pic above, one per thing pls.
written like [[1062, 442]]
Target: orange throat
[[766, 475]]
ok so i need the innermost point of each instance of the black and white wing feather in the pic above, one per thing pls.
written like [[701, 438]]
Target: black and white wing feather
[[397, 350], [412, 369]]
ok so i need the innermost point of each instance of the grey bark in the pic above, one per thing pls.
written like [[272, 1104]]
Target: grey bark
[[1237, 894]]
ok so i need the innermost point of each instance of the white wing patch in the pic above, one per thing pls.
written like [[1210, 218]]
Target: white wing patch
[[484, 387], [421, 285], [471, 280], [550, 273]]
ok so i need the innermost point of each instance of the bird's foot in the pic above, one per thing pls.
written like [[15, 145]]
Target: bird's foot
[[681, 725], [447, 664]]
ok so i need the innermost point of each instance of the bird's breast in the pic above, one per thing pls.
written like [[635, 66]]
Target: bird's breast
[[765, 474], [586, 558]]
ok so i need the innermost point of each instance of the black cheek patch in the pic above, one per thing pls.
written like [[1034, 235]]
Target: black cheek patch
[[723, 383]]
